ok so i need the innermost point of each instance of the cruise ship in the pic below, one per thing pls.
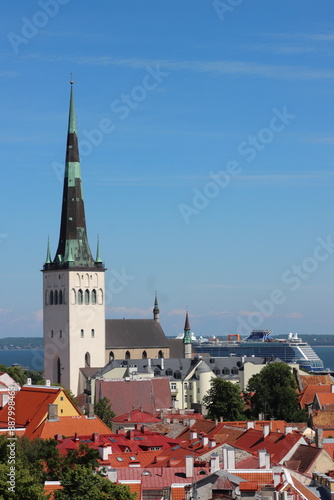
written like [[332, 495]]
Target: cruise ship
[[260, 343]]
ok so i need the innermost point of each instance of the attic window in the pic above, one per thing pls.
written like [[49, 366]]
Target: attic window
[[119, 459], [132, 458]]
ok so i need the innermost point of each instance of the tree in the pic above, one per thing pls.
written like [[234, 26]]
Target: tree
[[103, 410], [82, 483], [224, 400], [275, 393]]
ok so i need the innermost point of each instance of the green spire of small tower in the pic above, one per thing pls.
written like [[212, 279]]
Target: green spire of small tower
[[187, 342], [187, 331], [48, 254], [98, 260], [156, 310]]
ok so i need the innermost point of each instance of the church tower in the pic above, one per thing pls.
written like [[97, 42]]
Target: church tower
[[73, 284], [187, 342]]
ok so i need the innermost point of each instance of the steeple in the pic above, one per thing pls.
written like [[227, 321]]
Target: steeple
[[187, 342], [73, 248], [156, 310]]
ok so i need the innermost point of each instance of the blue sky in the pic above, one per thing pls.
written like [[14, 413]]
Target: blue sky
[[207, 150]]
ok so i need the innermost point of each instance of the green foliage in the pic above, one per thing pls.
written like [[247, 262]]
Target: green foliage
[[275, 393], [103, 410], [82, 483], [83, 456], [20, 375], [224, 400]]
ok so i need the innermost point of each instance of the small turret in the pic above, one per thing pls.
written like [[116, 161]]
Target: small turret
[[187, 347], [156, 310]]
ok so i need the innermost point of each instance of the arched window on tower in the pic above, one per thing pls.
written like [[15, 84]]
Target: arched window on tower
[[127, 355], [144, 355], [94, 296], [87, 359], [60, 297], [80, 296], [73, 297], [86, 297], [92, 333], [111, 356], [46, 298], [56, 297], [100, 296], [51, 297], [160, 354]]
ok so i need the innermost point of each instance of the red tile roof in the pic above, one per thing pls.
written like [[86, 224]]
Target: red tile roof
[[276, 443], [303, 458], [69, 426], [315, 380], [325, 399], [307, 396], [136, 416], [150, 394], [323, 419]]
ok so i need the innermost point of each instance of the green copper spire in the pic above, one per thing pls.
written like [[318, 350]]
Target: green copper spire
[[73, 249], [187, 331], [48, 253], [98, 259]]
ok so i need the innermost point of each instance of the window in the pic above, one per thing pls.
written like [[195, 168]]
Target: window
[[119, 459], [177, 374], [51, 297], [160, 354], [173, 386], [111, 356], [186, 398], [82, 334], [56, 297], [190, 385], [87, 359], [86, 297], [60, 297], [52, 334], [60, 334], [225, 371], [185, 385], [94, 296], [169, 372], [92, 333], [144, 355], [80, 296], [234, 371], [127, 355]]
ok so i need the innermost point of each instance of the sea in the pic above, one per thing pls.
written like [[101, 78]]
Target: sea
[[33, 358]]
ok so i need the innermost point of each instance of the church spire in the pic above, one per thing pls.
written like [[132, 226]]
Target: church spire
[[73, 248], [156, 310], [187, 342]]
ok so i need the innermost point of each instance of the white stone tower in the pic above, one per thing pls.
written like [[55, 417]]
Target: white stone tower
[[73, 285]]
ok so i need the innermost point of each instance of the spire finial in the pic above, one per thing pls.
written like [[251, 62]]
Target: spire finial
[[71, 80], [156, 310]]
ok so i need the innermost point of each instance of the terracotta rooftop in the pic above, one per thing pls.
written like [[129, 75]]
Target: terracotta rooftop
[[303, 458], [325, 399], [323, 419], [315, 380], [150, 394], [136, 416], [69, 426], [307, 396]]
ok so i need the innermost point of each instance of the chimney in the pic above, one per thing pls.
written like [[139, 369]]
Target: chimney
[[287, 430], [76, 436], [193, 434], [162, 363], [105, 451], [212, 443], [264, 459], [90, 410], [189, 466], [149, 362], [205, 439], [58, 437], [96, 437], [319, 438], [28, 381], [250, 425], [112, 475], [53, 413], [47, 383], [276, 475], [332, 388], [228, 458], [266, 430], [214, 463]]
